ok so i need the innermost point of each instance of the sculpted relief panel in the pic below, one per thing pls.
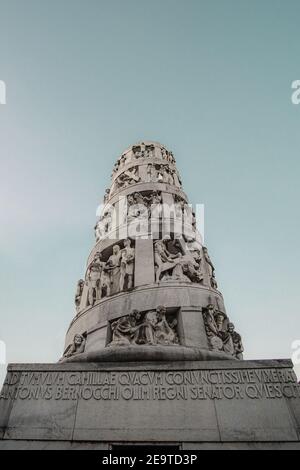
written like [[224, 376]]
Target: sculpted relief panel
[[149, 328], [163, 173], [110, 276], [221, 333], [143, 205], [183, 261], [141, 151]]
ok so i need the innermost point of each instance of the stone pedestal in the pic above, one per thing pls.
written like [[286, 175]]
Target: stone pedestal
[[191, 405]]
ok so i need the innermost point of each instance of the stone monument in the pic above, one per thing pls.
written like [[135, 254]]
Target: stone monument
[[151, 357]]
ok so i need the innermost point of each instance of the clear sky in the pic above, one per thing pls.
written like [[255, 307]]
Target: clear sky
[[209, 79]]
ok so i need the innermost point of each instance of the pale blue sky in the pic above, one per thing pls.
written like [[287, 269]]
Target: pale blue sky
[[209, 79]]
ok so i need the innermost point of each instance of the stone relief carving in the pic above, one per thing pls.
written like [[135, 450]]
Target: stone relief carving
[[148, 328], [165, 330], [77, 347], [233, 342], [143, 151], [161, 173], [113, 268], [124, 330], [94, 279], [183, 211], [174, 262], [208, 269], [167, 155], [106, 196], [221, 334], [151, 173], [79, 291], [105, 278], [103, 226], [123, 160], [140, 205], [127, 178], [127, 265], [180, 207]]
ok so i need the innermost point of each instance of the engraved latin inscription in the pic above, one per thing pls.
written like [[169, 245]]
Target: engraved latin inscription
[[152, 385]]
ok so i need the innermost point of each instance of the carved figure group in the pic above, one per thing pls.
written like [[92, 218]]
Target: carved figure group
[[174, 262], [143, 151], [162, 174], [127, 178], [150, 328], [140, 205], [221, 333], [167, 155], [105, 278]]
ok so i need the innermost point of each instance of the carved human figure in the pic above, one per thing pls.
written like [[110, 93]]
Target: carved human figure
[[213, 321], [79, 291], [136, 209], [179, 208], [98, 230], [127, 178], [127, 265], [220, 320], [107, 222], [155, 198], [207, 267], [167, 175], [106, 195], [162, 258], [124, 330], [233, 342], [180, 265], [148, 328], [164, 153], [151, 173], [94, 272], [123, 160], [160, 174], [149, 151], [191, 269], [113, 268], [210, 322], [164, 333], [141, 205], [104, 225], [77, 347], [155, 204], [137, 151]]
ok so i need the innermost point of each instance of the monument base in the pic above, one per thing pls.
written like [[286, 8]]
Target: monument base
[[183, 405]]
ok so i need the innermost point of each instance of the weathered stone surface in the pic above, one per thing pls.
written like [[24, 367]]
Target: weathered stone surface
[[195, 404]]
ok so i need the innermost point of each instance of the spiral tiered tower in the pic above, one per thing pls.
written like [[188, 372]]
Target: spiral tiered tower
[[149, 290]]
